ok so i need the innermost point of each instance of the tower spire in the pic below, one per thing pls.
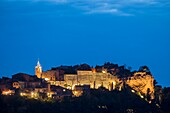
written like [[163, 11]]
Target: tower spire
[[38, 69], [38, 63]]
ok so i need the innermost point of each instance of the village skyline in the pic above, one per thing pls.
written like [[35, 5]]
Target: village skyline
[[67, 32]]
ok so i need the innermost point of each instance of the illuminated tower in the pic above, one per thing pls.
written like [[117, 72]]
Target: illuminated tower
[[38, 70]]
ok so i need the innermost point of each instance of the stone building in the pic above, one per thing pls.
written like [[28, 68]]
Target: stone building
[[92, 78], [111, 78], [53, 75], [38, 70], [22, 80]]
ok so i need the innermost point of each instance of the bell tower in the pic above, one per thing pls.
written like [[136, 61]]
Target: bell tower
[[38, 70]]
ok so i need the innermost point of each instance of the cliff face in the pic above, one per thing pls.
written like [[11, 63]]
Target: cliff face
[[143, 83]]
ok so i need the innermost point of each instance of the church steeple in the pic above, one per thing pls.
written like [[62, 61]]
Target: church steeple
[[38, 63], [38, 69]]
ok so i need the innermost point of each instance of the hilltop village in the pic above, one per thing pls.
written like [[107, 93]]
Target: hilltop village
[[76, 80]]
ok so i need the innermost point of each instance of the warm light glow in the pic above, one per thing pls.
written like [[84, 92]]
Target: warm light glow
[[98, 85], [120, 88], [94, 70], [77, 93], [114, 83], [49, 95], [47, 79], [22, 94], [73, 86], [32, 94], [142, 96], [68, 87], [133, 91], [103, 71], [9, 92]]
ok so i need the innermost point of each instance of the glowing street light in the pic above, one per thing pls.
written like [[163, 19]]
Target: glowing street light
[[32, 94], [47, 79], [133, 91], [21, 94], [142, 96], [103, 71]]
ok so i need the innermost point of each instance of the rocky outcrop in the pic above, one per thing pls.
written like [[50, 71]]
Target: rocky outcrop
[[143, 83]]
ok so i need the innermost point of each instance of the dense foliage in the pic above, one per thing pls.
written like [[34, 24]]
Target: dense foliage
[[98, 101]]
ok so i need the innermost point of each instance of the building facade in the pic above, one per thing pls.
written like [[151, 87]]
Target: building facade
[[38, 70]]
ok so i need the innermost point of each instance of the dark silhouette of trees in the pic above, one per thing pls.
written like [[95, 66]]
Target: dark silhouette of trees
[[166, 100], [98, 101]]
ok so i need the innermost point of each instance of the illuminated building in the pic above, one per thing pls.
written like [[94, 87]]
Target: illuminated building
[[38, 70], [110, 78], [8, 92]]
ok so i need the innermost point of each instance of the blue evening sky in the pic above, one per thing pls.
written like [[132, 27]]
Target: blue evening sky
[[69, 32]]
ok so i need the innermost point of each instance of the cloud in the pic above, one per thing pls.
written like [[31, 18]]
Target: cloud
[[117, 7], [104, 11], [56, 1]]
